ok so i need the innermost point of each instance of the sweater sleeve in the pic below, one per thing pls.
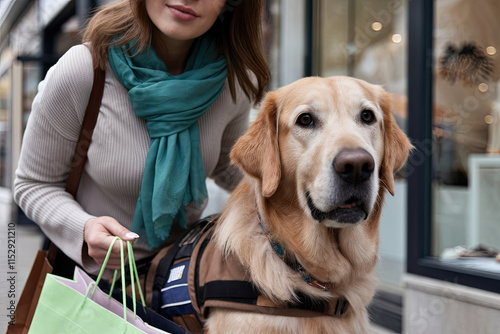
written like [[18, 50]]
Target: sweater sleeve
[[47, 150], [225, 174]]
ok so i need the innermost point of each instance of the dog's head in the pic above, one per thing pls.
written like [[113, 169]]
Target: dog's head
[[331, 142]]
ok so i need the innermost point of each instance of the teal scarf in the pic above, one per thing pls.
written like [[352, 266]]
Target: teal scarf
[[171, 105]]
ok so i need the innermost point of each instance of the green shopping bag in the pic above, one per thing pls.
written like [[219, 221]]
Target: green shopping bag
[[79, 306]]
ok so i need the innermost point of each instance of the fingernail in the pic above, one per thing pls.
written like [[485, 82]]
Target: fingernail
[[132, 235]]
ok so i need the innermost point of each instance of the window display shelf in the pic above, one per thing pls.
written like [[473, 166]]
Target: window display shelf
[[484, 199]]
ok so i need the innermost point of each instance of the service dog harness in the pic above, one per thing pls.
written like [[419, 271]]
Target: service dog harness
[[190, 277]]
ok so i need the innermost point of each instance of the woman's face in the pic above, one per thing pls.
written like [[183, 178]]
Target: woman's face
[[183, 20]]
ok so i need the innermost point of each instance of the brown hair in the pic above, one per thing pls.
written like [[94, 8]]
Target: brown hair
[[237, 32]]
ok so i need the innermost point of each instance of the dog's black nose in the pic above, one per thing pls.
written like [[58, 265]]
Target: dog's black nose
[[354, 165]]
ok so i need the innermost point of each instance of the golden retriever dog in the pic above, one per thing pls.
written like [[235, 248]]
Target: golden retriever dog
[[304, 222]]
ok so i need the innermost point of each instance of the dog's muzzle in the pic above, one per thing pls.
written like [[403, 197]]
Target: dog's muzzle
[[353, 170]]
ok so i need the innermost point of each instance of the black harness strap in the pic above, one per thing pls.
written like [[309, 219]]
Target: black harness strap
[[231, 291], [199, 300]]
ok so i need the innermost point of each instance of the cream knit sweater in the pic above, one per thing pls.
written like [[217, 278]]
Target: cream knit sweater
[[112, 177]]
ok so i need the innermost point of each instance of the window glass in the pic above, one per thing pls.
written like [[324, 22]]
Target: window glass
[[466, 134], [366, 39], [271, 35], [31, 78]]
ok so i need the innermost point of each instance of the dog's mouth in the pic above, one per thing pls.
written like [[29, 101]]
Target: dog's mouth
[[351, 211]]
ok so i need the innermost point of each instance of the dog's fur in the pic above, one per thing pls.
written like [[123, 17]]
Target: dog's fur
[[285, 163]]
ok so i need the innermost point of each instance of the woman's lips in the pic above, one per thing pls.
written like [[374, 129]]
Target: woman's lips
[[183, 13]]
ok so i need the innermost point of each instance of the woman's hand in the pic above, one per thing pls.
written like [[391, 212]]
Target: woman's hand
[[99, 233]]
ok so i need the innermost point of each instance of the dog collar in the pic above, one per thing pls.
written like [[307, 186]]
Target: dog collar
[[295, 265]]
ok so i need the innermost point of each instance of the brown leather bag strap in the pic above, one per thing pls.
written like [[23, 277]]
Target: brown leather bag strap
[[62, 264], [89, 122]]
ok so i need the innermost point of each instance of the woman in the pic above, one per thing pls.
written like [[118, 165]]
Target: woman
[[181, 76]]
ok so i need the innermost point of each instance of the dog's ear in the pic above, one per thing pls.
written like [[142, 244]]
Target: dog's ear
[[257, 152], [397, 146]]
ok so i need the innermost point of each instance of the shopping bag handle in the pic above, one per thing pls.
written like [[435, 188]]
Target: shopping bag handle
[[133, 272]]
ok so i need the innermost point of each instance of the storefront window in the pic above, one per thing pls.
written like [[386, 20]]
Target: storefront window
[[271, 35], [367, 39], [466, 134], [31, 78]]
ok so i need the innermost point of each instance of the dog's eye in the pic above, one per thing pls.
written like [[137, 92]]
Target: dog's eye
[[367, 116], [305, 119]]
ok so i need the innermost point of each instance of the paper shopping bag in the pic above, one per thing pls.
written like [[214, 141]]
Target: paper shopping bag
[[79, 306], [148, 315], [29, 297]]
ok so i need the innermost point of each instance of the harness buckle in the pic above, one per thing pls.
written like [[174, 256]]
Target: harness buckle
[[341, 307]]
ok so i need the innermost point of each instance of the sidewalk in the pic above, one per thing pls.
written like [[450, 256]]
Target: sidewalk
[[19, 247]]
